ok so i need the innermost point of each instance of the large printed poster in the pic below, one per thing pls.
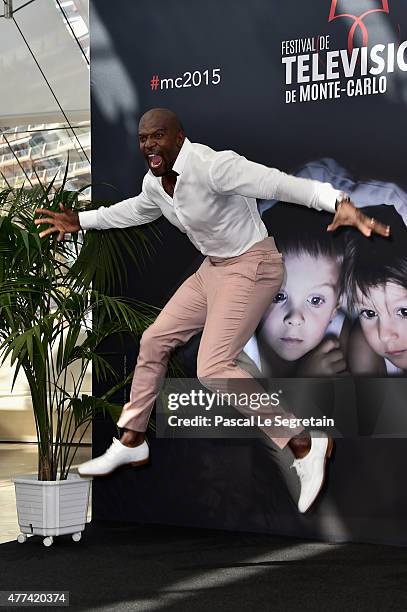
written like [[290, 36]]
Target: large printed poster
[[342, 307], [318, 90]]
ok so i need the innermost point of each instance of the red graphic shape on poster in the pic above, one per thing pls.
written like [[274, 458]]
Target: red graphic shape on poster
[[357, 20]]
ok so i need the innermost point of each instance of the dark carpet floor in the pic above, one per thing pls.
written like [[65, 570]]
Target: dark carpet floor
[[127, 567]]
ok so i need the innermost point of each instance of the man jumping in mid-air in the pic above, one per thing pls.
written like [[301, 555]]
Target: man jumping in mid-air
[[210, 196]]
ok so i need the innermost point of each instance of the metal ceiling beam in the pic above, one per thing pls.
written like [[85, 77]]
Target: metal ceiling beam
[[8, 9]]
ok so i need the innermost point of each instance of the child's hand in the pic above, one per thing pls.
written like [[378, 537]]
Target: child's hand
[[348, 214], [325, 360]]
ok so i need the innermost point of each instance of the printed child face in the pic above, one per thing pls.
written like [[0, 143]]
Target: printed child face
[[383, 318], [303, 308]]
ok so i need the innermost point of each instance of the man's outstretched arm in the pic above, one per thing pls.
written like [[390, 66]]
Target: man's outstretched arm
[[65, 222], [127, 213], [231, 173]]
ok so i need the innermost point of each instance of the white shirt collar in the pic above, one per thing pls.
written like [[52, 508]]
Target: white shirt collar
[[179, 163]]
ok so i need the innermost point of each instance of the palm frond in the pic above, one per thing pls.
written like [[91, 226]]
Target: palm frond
[[57, 308]]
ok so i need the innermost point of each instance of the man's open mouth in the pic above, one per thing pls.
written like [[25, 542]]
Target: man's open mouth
[[154, 161]]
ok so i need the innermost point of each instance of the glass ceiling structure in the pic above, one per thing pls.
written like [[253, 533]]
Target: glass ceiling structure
[[45, 94]]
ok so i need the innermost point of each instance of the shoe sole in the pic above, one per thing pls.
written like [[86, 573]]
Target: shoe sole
[[328, 454], [133, 463]]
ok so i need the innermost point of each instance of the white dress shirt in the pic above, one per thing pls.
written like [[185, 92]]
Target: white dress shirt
[[214, 200], [364, 192]]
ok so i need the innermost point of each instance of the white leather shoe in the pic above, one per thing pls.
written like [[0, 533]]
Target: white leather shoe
[[311, 469], [117, 454]]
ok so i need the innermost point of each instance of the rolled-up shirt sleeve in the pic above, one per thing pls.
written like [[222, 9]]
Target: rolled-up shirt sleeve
[[127, 213], [231, 173]]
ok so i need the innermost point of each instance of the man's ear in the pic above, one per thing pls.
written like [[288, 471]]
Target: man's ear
[[180, 138]]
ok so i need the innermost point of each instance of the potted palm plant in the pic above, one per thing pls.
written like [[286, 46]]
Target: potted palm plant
[[56, 312]]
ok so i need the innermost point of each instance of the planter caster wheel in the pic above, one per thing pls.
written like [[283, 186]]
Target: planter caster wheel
[[77, 537], [21, 538], [48, 541]]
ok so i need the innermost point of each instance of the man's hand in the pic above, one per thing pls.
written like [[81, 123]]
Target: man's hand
[[348, 214], [66, 221]]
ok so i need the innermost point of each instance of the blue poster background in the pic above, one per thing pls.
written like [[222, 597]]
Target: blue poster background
[[246, 484]]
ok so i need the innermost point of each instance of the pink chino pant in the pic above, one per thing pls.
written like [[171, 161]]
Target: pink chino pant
[[226, 298]]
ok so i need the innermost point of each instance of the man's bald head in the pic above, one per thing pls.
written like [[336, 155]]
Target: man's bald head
[[163, 115], [161, 137]]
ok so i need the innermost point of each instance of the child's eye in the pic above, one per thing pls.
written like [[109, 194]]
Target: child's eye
[[368, 314], [316, 300], [402, 312], [279, 297]]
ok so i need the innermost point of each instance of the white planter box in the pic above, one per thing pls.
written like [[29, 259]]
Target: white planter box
[[51, 508]]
